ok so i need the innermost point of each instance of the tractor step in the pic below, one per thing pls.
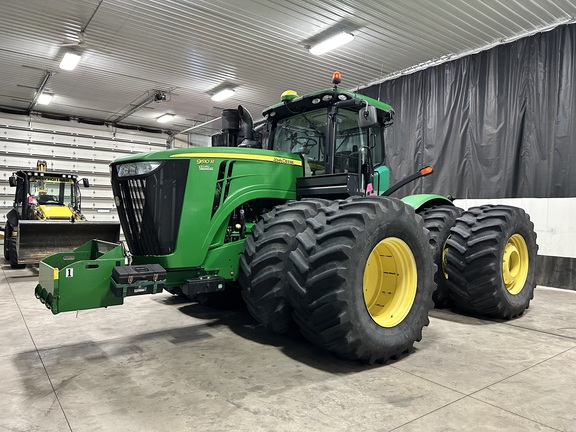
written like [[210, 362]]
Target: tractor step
[[330, 186], [204, 284]]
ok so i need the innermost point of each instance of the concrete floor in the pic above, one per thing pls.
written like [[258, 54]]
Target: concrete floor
[[158, 364]]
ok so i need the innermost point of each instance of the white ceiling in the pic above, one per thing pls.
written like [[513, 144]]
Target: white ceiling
[[187, 48]]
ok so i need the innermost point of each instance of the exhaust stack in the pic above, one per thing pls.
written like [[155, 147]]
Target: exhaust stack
[[247, 128]]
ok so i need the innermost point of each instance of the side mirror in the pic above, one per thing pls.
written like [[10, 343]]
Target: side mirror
[[13, 181], [367, 116], [85, 182]]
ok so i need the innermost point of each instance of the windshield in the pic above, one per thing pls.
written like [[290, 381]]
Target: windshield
[[52, 190], [305, 134]]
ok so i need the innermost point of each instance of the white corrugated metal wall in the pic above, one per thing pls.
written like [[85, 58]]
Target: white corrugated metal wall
[[69, 146]]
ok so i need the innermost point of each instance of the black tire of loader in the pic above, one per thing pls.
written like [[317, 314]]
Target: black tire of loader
[[438, 220], [14, 254], [6, 247], [265, 262], [327, 281], [474, 261]]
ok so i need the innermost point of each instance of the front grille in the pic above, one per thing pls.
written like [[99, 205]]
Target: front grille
[[150, 206]]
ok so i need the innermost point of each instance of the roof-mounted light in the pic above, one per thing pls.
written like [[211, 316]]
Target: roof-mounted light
[[331, 43], [336, 77]]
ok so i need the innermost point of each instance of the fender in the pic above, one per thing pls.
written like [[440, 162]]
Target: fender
[[422, 201]]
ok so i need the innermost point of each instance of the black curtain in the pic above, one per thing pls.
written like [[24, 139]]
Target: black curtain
[[497, 124]]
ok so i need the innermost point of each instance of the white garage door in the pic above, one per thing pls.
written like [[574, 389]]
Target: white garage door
[[85, 150]]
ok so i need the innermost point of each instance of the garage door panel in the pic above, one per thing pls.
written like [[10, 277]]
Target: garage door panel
[[86, 151]]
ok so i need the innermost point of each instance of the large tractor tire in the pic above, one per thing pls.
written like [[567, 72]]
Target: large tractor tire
[[363, 279], [12, 250], [490, 261], [265, 262], [438, 220]]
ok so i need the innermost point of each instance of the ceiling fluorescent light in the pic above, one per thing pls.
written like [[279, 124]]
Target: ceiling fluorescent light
[[331, 43], [225, 93], [70, 61], [44, 99], [165, 118]]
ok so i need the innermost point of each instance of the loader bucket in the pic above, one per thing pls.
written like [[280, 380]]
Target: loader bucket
[[71, 281], [39, 239]]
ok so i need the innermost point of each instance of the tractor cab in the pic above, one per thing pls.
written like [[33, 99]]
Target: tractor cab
[[339, 136]]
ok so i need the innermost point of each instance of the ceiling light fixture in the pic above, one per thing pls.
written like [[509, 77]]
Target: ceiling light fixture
[[225, 93], [165, 118], [44, 98], [70, 60], [331, 43]]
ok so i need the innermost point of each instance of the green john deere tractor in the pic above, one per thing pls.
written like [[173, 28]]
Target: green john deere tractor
[[302, 224]]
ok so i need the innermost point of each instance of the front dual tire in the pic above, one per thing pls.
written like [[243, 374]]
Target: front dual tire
[[265, 263], [357, 281]]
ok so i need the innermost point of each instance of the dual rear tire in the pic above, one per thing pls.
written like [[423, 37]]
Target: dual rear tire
[[490, 261], [439, 220], [485, 259]]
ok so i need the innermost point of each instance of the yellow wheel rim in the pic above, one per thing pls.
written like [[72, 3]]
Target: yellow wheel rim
[[515, 263], [390, 281], [444, 252]]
